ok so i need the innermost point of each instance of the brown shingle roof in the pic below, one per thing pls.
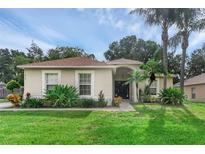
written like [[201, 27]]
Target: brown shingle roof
[[123, 61], [199, 79], [66, 62]]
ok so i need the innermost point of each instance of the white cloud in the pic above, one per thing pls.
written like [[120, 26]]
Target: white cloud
[[50, 34], [17, 40], [131, 24], [197, 39]]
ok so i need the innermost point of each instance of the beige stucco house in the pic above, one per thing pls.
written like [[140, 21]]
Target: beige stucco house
[[194, 88], [88, 76]]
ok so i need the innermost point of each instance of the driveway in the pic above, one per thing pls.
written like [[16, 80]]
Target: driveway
[[6, 105]]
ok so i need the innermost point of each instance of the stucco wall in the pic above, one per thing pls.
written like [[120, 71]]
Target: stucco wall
[[102, 81], [33, 82], [200, 92], [161, 82]]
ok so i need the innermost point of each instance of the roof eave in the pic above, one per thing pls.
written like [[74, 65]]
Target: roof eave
[[24, 67]]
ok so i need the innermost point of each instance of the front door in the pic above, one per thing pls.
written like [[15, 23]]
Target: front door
[[122, 89]]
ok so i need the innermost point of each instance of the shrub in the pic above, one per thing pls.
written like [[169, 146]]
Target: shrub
[[101, 100], [86, 103], [32, 103], [62, 96], [101, 97], [101, 104], [14, 99], [171, 96], [117, 100], [11, 85], [150, 99]]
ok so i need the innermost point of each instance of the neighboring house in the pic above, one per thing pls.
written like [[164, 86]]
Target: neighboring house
[[194, 88], [89, 76]]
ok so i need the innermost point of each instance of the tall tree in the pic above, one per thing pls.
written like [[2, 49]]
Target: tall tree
[[35, 53], [188, 21], [5, 65], [196, 63], [132, 48], [174, 61], [162, 17], [67, 52], [18, 58]]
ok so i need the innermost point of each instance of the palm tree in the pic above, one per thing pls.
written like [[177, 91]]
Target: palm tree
[[187, 21], [151, 68], [148, 71], [137, 77], [162, 17]]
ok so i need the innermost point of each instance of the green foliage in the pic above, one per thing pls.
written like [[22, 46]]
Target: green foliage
[[86, 103], [11, 85], [68, 52], [174, 62], [172, 96], [101, 104], [101, 100], [136, 76], [153, 67], [62, 96], [5, 65], [101, 97], [35, 52], [196, 63], [32, 103], [150, 99], [131, 48]]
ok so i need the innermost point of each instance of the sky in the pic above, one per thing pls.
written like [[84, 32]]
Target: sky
[[90, 29]]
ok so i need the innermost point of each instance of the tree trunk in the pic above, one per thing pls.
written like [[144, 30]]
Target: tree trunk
[[137, 91], [165, 44], [184, 48]]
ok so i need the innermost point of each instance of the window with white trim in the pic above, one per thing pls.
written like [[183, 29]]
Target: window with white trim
[[193, 92], [51, 80], [153, 88], [84, 84]]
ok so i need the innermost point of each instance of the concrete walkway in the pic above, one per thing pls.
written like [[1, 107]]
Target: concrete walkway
[[124, 107], [6, 105]]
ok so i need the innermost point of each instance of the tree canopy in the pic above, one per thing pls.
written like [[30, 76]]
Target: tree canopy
[[196, 63], [11, 58], [131, 47]]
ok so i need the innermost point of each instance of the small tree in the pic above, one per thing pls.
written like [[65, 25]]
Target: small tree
[[11, 85], [136, 76], [149, 71]]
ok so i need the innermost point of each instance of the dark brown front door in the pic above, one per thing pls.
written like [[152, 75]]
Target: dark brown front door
[[122, 89]]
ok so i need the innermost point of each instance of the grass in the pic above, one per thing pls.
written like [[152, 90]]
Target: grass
[[3, 100], [150, 124]]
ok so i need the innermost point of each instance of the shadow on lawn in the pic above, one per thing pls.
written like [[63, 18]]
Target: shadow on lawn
[[55, 114], [183, 127]]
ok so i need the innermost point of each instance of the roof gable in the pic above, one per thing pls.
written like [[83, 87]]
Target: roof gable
[[123, 61], [199, 79]]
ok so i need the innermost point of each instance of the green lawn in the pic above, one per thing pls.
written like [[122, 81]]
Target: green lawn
[[150, 124], [3, 100]]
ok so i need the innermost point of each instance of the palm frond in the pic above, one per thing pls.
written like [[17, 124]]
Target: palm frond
[[198, 25], [152, 15], [175, 40]]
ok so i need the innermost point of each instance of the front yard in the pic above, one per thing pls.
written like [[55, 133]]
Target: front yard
[[3, 100], [150, 124]]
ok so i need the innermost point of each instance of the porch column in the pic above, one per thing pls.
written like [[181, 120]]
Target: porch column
[[134, 92]]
